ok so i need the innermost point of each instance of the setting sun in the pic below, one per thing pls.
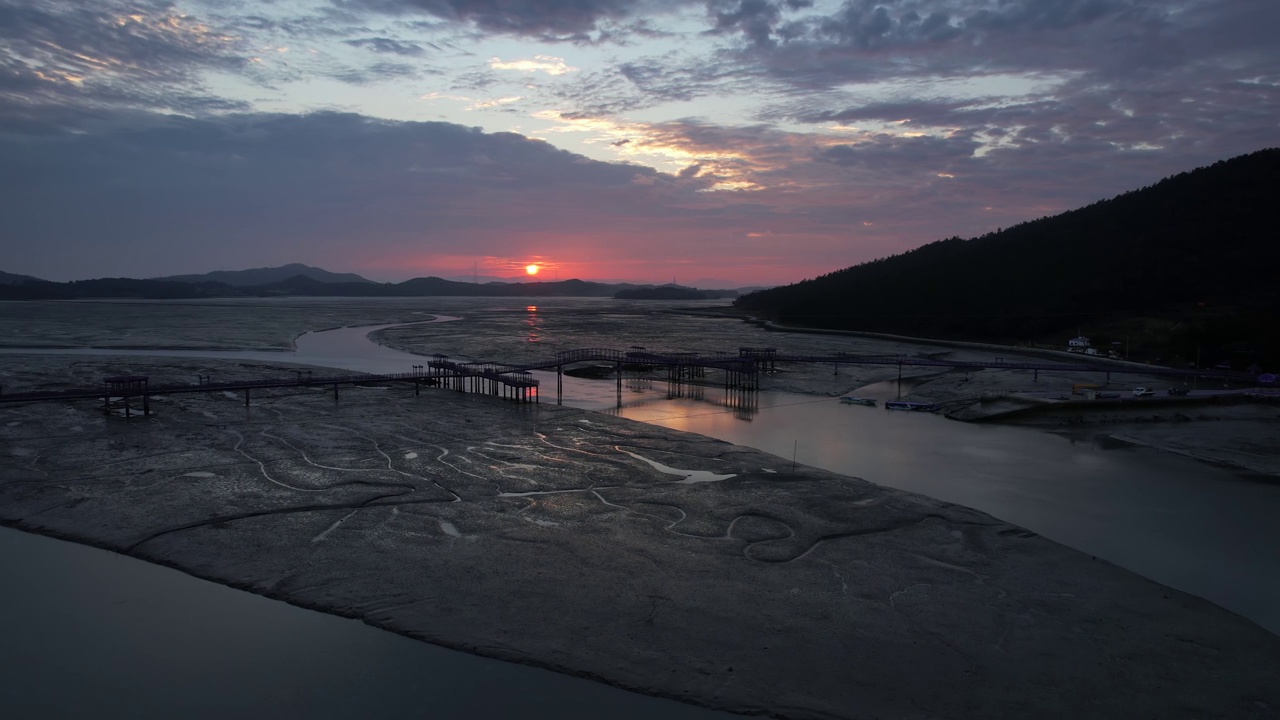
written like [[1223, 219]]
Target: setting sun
[[532, 269]]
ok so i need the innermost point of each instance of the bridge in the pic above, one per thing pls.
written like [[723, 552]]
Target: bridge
[[739, 374], [118, 392]]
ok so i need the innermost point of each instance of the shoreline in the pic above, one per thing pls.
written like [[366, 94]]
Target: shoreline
[[914, 580], [1186, 441], [931, 386]]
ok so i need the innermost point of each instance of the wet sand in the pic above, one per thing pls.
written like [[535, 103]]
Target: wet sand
[[649, 559]]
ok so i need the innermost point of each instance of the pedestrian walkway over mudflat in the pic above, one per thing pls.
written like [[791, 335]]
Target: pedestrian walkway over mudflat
[[516, 382], [515, 385]]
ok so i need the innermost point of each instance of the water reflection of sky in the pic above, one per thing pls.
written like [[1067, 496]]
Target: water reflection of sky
[[1163, 516], [533, 323]]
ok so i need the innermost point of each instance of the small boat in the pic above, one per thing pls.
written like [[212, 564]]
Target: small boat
[[850, 400], [910, 405]]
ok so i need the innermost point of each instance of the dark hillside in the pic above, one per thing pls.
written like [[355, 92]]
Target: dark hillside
[[123, 288], [1201, 239], [266, 276]]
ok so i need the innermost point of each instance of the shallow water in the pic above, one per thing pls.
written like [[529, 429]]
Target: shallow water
[[90, 633], [1204, 530]]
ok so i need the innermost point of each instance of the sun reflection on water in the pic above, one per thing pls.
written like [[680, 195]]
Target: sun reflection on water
[[534, 324]]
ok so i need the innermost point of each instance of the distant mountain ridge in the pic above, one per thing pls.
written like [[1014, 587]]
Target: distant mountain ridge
[[300, 285], [13, 279], [266, 276], [305, 280], [1197, 249], [673, 292]]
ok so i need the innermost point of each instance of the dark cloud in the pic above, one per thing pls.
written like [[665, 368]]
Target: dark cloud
[[1047, 14], [154, 195], [546, 19], [924, 112], [378, 72], [160, 191], [388, 46], [1125, 92], [757, 20], [141, 39], [922, 154], [635, 85], [799, 50], [55, 57]]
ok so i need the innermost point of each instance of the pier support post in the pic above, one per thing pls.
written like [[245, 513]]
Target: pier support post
[[335, 392], [246, 397]]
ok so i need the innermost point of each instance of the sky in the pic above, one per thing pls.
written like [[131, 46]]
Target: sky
[[710, 142]]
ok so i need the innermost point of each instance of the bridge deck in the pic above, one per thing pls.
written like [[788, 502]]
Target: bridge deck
[[269, 383], [519, 377]]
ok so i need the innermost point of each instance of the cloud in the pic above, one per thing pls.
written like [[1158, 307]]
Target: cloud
[[493, 103], [142, 54], [150, 195], [553, 20], [388, 46], [160, 192], [540, 63], [832, 131], [755, 19], [377, 72]]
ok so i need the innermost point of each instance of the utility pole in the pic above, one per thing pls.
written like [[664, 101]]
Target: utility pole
[[1196, 377]]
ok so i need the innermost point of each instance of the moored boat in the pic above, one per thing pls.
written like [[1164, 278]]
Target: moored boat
[[911, 405], [850, 400]]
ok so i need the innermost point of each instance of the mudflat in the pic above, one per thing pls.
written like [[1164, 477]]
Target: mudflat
[[654, 560]]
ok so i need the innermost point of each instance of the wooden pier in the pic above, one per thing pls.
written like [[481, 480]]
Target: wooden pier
[[486, 378], [120, 389], [738, 374], [125, 391]]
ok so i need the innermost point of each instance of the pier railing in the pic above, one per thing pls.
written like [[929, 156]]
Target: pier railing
[[516, 381]]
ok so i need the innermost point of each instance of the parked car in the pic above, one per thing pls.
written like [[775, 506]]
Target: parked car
[[1143, 392], [1177, 391]]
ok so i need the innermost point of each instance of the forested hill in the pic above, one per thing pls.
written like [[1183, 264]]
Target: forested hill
[[1200, 240]]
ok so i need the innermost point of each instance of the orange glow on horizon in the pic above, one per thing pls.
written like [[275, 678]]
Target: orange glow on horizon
[[597, 260], [532, 269]]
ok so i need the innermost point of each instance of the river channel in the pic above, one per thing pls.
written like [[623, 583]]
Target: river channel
[[1205, 530]]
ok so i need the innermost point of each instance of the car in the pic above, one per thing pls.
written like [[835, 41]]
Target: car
[[1143, 392], [1177, 391]]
